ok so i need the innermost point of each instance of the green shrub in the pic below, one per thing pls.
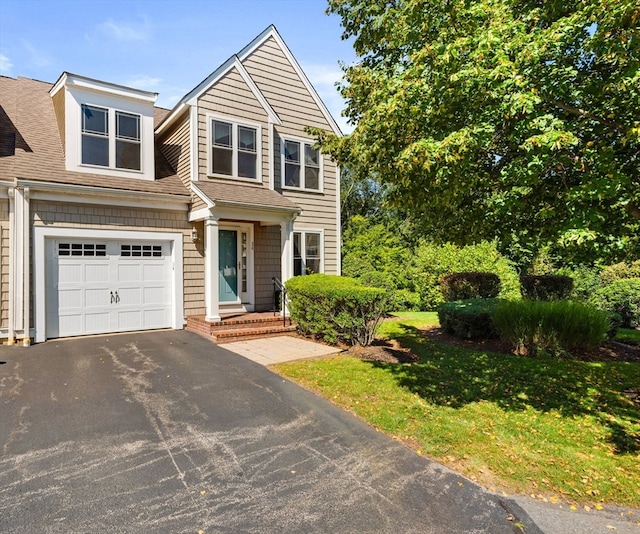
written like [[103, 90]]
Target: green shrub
[[620, 271], [546, 287], [405, 300], [468, 319], [554, 328], [473, 285], [431, 262], [586, 282], [335, 308], [621, 297]]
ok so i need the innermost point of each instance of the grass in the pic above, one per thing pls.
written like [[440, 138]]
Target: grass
[[560, 430], [627, 334]]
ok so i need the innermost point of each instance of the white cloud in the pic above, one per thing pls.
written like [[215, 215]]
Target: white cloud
[[5, 64], [125, 31], [148, 83], [37, 57]]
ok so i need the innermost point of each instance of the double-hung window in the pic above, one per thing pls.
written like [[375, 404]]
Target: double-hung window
[[234, 150], [301, 166], [307, 253], [110, 138]]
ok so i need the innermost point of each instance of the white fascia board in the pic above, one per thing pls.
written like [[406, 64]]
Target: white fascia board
[[175, 114], [271, 31], [114, 197], [202, 196], [241, 213], [82, 82], [192, 97]]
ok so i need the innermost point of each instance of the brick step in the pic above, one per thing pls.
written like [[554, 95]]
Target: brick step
[[221, 336], [241, 327]]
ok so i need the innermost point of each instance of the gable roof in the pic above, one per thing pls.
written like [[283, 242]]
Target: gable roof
[[236, 61], [34, 147], [272, 32]]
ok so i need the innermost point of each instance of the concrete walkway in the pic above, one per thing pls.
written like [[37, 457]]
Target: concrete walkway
[[279, 349]]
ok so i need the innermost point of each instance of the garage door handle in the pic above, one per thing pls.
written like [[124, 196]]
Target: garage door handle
[[113, 299], [117, 298]]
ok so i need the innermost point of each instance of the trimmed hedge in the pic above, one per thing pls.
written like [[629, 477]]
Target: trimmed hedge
[[620, 271], [336, 308], [546, 287], [552, 328], [470, 285], [621, 298], [469, 319]]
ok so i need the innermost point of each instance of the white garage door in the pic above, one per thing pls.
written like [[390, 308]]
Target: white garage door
[[95, 287]]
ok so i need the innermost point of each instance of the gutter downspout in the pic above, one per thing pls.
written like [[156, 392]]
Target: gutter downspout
[[26, 212], [12, 261]]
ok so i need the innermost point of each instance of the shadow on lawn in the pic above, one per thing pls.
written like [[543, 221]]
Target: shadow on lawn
[[452, 376]]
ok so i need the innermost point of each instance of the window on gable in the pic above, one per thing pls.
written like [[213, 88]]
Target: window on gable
[[234, 150], [301, 165], [306, 253], [99, 147]]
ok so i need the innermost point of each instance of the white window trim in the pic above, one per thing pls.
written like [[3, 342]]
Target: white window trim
[[235, 123], [112, 139], [303, 232], [302, 141]]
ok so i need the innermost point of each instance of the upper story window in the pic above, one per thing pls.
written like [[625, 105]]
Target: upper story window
[[234, 150], [120, 150], [302, 166]]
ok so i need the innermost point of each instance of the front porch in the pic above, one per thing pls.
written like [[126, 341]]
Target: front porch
[[241, 326]]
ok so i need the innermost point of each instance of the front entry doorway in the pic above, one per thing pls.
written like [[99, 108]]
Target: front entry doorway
[[235, 267]]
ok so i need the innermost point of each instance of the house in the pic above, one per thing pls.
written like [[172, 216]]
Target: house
[[116, 215]]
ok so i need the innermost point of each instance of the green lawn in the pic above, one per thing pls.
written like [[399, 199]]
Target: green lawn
[[562, 430]]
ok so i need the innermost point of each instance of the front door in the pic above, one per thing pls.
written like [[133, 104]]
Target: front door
[[228, 266]]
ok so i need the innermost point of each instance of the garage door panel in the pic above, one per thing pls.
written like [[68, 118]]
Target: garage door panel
[[96, 273], [130, 272], [70, 273], [130, 296], [94, 298], [131, 318], [154, 273], [154, 295], [155, 318], [107, 287], [96, 323]]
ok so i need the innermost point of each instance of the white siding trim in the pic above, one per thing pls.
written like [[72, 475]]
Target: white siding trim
[[194, 141]]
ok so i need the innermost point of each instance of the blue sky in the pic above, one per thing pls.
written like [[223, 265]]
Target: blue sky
[[166, 46]]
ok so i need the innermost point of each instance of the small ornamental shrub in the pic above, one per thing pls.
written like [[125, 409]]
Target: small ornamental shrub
[[586, 281], [430, 262], [468, 319], [552, 328], [546, 287], [470, 285], [621, 297], [620, 271], [336, 308]]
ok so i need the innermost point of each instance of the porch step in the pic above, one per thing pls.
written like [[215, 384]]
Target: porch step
[[241, 327]]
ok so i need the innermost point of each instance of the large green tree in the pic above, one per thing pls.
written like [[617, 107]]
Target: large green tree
[[516, 120]]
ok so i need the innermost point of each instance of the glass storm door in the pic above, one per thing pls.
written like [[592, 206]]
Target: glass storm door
[[228, 266]]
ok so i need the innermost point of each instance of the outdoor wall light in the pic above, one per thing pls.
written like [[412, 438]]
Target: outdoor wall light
[[194, 234]]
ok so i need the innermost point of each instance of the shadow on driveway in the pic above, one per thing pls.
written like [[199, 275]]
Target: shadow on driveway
[[167, 432]]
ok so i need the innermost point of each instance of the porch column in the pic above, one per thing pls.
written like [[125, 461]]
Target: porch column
[[286, 254], [211, 235]]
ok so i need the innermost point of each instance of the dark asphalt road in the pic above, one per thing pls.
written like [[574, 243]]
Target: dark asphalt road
[[166, 432]]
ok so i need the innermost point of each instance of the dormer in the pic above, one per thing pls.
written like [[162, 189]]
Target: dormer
[[106, 129]]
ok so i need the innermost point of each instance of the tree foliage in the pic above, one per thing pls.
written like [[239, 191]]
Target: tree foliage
[[508, 119]]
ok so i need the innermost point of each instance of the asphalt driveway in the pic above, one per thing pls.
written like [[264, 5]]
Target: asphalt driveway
[[167, 432]]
